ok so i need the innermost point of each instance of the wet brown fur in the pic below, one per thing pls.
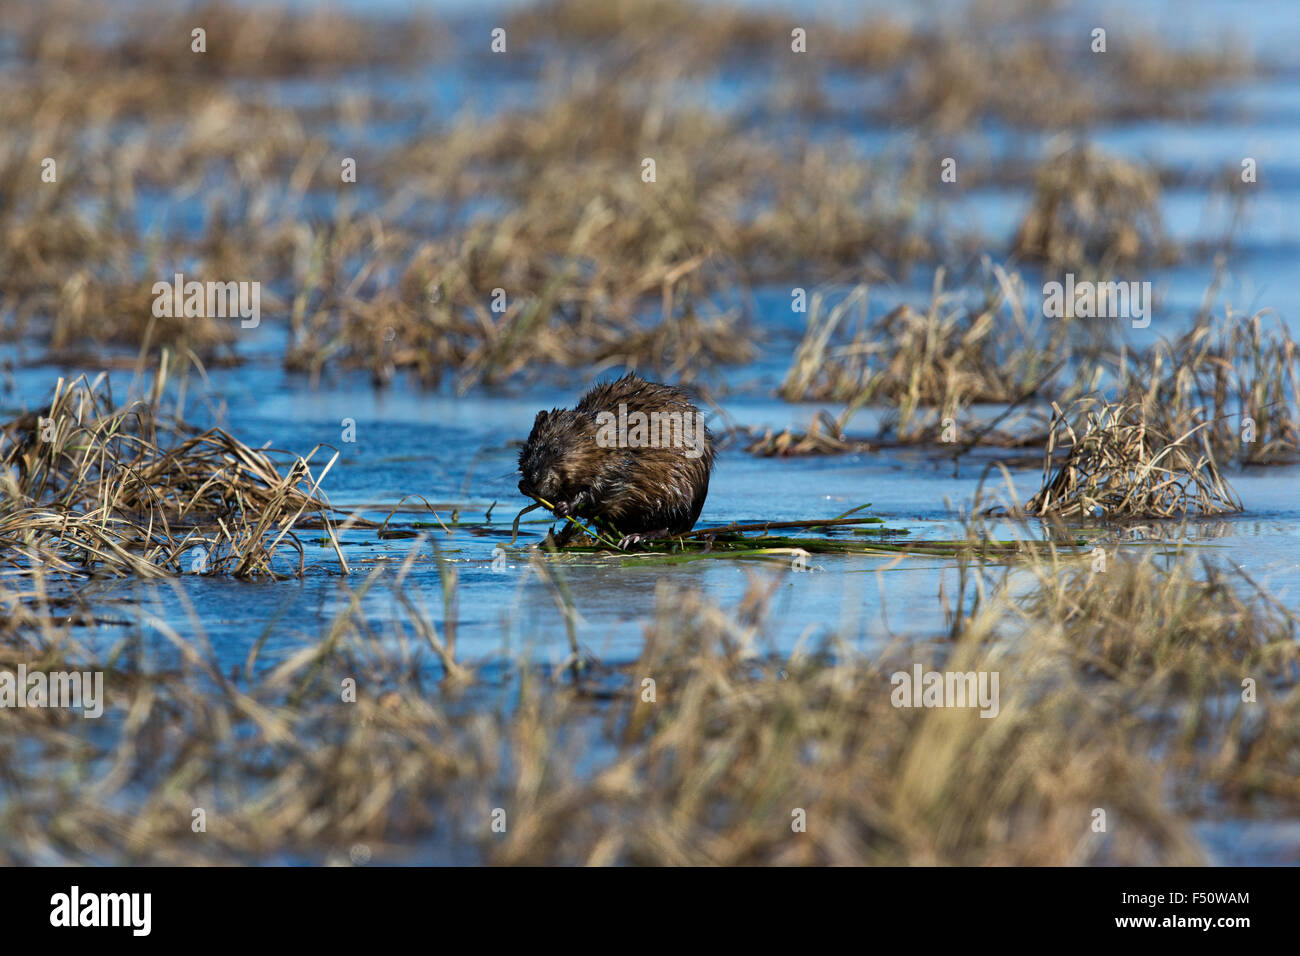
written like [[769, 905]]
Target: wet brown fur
[[644, 492]]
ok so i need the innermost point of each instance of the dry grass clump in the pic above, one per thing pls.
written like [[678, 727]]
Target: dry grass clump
[[91, 312], [94, 487], [654, 37], [438, 317], [995, 61], [734, 745], [1135, 620], [1092, 210], [1210, 659], [584, 264], [241, 40], [772, 209], [953, 78], [1156, 70], [1119, 465], [1236, 378], [831, 213], [595, 265], [825, 436], [80, 255], [1264, 386], [945, 358], [544, 202]]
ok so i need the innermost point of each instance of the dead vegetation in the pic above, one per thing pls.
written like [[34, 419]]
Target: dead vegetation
[[90, 487], [1202, 623], [981, 62], [1235, 377], [609, 279], [239, 41], [735, 743], [1229, 383], [947, 357], [544, 201], [1119, 465], [1093, 210], [594, 265], [825, 436]]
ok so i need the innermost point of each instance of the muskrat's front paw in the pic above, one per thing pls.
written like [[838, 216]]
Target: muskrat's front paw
[[631, 539], [562, 509]]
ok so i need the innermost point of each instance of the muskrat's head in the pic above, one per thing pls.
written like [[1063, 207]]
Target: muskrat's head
[[556, 455]]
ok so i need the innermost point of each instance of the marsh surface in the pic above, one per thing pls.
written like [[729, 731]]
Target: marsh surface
[[457, 449]]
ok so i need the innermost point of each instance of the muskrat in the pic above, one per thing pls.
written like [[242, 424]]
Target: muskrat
[[636, 454]]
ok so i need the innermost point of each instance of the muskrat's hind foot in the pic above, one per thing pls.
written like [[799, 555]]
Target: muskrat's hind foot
[[644, 536]]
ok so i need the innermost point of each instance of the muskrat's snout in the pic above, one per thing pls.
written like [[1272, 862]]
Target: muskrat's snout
[[540, 483], [546, 485]]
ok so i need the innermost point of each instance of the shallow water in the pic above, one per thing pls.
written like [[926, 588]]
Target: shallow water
[[456, 450]]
